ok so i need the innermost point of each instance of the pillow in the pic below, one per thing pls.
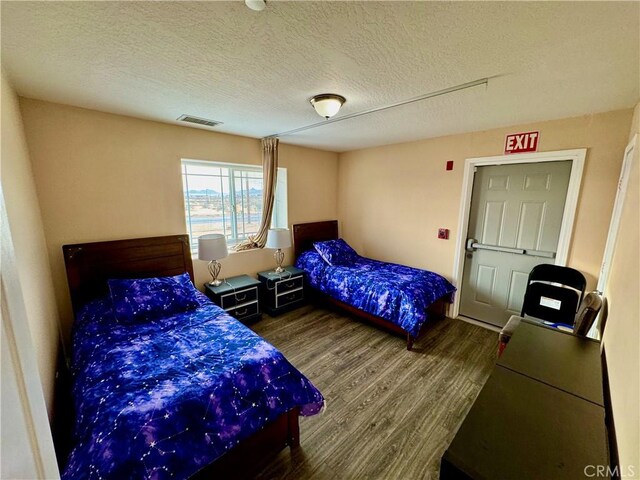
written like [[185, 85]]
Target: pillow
[[336, 252], [141, 299]]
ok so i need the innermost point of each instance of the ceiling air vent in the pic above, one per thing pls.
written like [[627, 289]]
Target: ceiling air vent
[[198, 121]]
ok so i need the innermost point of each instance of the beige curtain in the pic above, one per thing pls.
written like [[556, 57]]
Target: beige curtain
[[269, 178]]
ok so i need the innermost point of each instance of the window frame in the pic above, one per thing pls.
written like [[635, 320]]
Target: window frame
[[228, 187]]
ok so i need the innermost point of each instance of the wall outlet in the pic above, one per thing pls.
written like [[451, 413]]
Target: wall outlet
[[443, 233]]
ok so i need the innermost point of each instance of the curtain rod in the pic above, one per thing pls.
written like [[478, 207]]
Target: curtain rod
[[463, 86]]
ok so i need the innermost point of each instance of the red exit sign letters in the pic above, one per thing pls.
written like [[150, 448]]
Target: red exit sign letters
[[521, 142]]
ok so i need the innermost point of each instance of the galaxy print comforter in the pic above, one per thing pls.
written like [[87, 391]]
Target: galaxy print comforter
[[165, 397], [397, 293]]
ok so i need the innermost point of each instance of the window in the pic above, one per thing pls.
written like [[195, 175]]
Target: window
[[227, 198]]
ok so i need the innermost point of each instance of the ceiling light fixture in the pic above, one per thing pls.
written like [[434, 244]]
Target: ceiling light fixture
[[327, 104], [445, 91], [257, 5]]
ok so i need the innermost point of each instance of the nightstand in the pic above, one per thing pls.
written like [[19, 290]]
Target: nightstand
[[280, 292], [238, 296]]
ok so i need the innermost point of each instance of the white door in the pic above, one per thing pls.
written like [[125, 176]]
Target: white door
[[514, 224]]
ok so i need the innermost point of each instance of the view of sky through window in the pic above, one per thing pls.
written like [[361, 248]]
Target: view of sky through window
[[223, 198]]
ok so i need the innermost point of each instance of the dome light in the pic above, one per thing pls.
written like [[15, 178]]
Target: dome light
[[257, 5], [327, 104]]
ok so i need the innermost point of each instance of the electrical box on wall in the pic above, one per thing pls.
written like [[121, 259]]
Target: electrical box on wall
[[443, 233]]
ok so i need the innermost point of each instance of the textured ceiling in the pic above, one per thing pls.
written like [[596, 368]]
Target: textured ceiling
[[255, 71]]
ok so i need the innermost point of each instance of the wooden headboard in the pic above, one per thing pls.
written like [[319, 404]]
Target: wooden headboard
[[304, 234], [90, 265]]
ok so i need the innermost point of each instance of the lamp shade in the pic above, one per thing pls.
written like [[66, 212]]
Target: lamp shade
[[212, 247], [278, 238], [327, 104]]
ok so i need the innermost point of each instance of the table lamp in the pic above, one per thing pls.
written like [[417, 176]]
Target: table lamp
[[278, 238], [212, 248]]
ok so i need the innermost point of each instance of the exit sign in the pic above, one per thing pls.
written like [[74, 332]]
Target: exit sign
[[521, 142]]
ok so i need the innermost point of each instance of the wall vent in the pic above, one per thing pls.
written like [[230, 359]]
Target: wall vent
[[198, 120]]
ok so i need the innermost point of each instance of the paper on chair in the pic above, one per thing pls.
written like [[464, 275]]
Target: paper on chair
[[550, 303]]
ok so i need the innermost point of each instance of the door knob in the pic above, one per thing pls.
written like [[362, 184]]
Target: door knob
[[469, 248]]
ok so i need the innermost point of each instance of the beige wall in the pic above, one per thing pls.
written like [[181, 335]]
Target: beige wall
[[393, 199], [101, 177], [23, 212], [622, 334]]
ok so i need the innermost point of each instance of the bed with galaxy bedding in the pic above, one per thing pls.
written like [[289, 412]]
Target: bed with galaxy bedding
[[397, 297], [165, 383]]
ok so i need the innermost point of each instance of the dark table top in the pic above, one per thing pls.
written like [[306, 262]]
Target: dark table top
[[520, 428], [232, 284], [289, 271], [559, 359]]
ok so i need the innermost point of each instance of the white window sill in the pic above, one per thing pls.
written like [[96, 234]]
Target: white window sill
[[235, 252]]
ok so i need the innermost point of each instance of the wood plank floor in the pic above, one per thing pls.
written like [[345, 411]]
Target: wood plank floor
[[390, 413]]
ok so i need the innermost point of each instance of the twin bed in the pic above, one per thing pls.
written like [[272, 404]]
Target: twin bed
[[168, 385], [168, 395], [396, 297]]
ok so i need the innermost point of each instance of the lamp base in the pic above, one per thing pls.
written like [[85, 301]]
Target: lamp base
[[214, 271], [279, 256]]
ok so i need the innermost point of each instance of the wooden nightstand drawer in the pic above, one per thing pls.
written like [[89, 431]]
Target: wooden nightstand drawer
[[281, 292], [289, 284], [244, 311], [238, 297], [289, 297]]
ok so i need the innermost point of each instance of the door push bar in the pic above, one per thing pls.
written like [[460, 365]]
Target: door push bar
[[473, 245]]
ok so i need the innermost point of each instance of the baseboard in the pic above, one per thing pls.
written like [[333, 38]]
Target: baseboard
[[478, 323]]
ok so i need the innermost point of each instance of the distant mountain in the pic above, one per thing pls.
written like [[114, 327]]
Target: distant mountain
[[212, 193], [206, 191]]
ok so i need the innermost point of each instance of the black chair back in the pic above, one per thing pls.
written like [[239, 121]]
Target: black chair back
[[553, 293]]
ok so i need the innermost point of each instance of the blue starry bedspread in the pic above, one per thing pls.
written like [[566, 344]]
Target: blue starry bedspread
[[165, 397], [397, 293]]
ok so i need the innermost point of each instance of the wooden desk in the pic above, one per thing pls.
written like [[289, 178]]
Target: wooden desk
[[539, 416], [520, 428], [557, 358]]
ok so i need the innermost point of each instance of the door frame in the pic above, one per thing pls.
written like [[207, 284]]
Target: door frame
[[577, 157], [630, 155], [614, 226], [40, 452]]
